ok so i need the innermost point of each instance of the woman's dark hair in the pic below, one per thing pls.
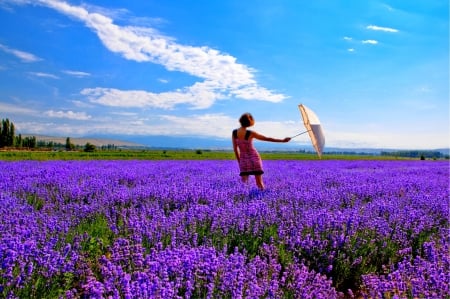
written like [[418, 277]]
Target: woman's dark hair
[[246, 119]]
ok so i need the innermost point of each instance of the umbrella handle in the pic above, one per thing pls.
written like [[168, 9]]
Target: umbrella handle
[[300, 134]]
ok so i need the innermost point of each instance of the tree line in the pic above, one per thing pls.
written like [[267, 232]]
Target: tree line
[[422, 154], [8, 139]]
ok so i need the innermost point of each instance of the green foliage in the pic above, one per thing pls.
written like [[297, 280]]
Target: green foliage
[[243, 241], [18, 141], [95, 227], [418, 240], [421, 154], [89, 147], [8, 137], [69, 145], [97, 236], [29, 142], [35, 201], [40, 287], [363, 252], [7, 133]]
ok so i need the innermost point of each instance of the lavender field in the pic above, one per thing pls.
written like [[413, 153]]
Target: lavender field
[[190, 229]]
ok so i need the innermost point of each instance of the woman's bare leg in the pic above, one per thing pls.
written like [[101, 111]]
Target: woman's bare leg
[[244, 179], [259, 182]]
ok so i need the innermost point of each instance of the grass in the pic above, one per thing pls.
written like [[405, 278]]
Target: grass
[[171, 155]]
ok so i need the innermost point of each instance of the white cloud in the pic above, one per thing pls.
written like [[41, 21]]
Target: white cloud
[[44, 75], [82, 104], [384, 29], [125, 114], [200, 125], [211, 126], [370, 41], [77, 74], [214, 125], [223, 76], [219, 126], [388, 7], [49, 129], [198, 95], [280, 129], [68, 114], [24, 56], [351, 50], [19, 2], [347, 38], [255, 92], [15, 109], [376, 139]]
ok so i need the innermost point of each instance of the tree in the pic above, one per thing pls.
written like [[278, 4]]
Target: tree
[[69, 145], [29, 142], [89, 147], [6, 133], [18, 141], [10, 139]]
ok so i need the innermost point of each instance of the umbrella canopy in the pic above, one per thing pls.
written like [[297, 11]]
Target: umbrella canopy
[[312, 124]]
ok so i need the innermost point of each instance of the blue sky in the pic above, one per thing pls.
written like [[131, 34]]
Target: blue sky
[[375, 72]]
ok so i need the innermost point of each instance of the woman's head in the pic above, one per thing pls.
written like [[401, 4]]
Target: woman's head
[[246, 120]]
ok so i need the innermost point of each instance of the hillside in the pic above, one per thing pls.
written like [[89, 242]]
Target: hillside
[[82, 141]]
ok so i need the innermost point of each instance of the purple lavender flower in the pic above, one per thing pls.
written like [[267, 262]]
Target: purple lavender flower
[[177, 229]]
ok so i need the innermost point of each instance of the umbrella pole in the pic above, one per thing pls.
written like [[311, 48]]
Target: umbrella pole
[[300, 134]]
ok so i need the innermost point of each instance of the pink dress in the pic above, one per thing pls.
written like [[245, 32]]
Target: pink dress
[[250, 161]]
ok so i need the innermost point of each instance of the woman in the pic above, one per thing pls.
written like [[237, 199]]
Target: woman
[[246, 154]]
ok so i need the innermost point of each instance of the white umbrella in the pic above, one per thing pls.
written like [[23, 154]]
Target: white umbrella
[[313, 127]]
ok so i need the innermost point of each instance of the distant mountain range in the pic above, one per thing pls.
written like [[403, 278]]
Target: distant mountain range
[[171, 142], [225, 144]]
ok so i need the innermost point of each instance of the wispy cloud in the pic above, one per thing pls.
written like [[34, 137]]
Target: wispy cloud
[[219, 125], [43, 75], [68, 114], [222, 75], [202, 125], [77, 74], [424, 89], [22, 55], [82, 104], [370, 41], [16, 109], [378, 28], [420, 105], [387, 7]]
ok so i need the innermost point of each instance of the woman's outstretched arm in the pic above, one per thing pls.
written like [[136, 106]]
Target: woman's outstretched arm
[[270, 139]]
